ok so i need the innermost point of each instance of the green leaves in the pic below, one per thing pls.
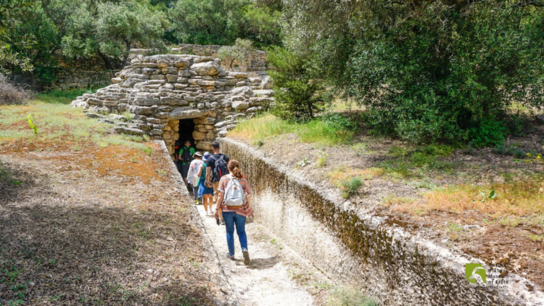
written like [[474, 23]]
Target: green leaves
[[31, 124], [430, 72], [298, 96], [492, 195]]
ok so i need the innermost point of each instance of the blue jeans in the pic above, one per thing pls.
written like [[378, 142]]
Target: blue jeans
[[231, 218]]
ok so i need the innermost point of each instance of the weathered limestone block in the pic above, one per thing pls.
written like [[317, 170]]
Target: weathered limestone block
[[161, 115], [172, 78], [173, 101], [141, 110], [182, 63], [206, 68], [266, 83], [93, 115], [242, 91], [118, 117], [204, 145], [126, 130], [155, 132], [187, 113], [238, 75], [146, 99], [210, 135], [203, 59], [94, 101], [240, 105], [205, 120], [199, 135]]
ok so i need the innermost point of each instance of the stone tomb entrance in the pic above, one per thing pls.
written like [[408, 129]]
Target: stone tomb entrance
[[192, 125], [186, 129]]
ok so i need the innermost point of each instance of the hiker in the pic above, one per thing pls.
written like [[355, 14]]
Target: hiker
[[185, 157], [192, 175], [205, 190], [217, 168], [233, 202]]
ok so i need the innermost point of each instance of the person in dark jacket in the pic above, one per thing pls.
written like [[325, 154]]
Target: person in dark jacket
[[185, 158]]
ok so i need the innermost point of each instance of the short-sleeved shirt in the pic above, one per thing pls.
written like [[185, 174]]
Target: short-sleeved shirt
[[211, 164], [182, 150], [223, 185]]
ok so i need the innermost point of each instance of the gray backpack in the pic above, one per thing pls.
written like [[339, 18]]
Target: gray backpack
[[234, 193]]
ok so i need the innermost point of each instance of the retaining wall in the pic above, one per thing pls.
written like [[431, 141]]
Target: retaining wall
[[362, 250]]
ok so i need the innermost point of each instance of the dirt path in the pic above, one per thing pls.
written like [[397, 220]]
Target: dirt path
[[276, 275]]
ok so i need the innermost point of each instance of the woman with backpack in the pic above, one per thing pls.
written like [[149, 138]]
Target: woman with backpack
[[205, 189], [233, 200]]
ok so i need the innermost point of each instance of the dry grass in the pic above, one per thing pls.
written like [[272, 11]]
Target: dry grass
[[60, 127], [343, 173], [521, 198], [12, 94], [92, 218]]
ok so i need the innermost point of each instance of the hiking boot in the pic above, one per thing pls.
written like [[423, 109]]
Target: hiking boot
[[246, 257], [231, 257]]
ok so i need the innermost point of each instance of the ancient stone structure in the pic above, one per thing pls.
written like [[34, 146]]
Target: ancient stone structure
[[156, 92], [255, 65]]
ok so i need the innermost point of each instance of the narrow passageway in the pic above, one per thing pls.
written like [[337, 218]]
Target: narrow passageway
[[268, 280], [186, 129]]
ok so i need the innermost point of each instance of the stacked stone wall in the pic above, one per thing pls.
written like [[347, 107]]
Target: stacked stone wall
[[155, 92]]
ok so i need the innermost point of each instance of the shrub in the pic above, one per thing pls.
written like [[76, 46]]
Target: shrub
[[487, 133], [298, 95], [12, 94], [350, 186]]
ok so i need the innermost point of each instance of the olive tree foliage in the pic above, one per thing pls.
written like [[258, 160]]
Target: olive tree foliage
[[12, 15], [207, 21], [238, 52], [111, 29], [221, 22], [427, 70]]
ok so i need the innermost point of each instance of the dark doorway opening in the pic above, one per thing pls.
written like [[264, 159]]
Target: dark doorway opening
[[186, 129]]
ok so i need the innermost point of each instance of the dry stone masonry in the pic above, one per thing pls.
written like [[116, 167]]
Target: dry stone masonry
[[151, 95]]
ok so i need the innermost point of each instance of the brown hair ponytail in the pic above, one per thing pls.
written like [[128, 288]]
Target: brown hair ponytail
[[234, 167]]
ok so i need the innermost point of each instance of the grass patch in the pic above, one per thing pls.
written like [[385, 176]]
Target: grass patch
[[349, 180], [348, 297], [522, 198], [313, 131], [342, 173], [60, 125], [350, 186], [408, 162], [63, 96]]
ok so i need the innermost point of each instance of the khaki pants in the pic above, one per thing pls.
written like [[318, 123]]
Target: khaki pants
[[215, 186]]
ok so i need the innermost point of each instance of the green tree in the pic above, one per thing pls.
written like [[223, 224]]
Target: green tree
[[428, 71], [208, 22], [297, 95], [35, 38], [12, 13], [111, 29], [263, 25]]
